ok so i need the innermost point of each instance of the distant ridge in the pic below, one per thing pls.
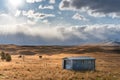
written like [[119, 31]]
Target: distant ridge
[[112, 43], [105, 43]]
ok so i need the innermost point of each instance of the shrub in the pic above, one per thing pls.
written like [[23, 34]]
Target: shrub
[[8, 57], [3, 56], [20, 56], [40, 57]]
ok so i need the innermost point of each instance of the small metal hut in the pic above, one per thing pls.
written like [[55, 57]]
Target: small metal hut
[[79, 63]]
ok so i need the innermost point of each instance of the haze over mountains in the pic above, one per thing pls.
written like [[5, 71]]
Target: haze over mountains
[[104, 43], [21, 39], [112, 43]]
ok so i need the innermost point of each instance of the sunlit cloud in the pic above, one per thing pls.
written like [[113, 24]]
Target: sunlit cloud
[[33, 1], [77, 16], [46, 7], [18, 12], [36, 15]]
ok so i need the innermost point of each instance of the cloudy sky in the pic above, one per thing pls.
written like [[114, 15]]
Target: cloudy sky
[[59, 22]]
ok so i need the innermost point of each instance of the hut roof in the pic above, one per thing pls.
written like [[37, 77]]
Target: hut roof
[[80, 58]]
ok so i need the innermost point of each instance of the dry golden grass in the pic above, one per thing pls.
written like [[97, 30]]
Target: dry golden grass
[[50, 68]]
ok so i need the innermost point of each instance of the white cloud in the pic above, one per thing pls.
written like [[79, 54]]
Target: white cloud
[[52, 1], [33, 1], [87, 32], [36, 15], [46, 21], [46, 7], [98, 14], [114, 15], [44, 32], [77, 16], [7, 19], [18, 12], [31, 22]]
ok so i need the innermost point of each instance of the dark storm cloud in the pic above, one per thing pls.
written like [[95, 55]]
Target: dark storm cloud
[[101, 6], [66, 4]]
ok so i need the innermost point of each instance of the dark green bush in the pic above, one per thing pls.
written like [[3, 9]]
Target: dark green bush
[[3, 56], [8, 57]]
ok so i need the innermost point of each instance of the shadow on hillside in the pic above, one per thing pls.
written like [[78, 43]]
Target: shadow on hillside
[[32, 50]]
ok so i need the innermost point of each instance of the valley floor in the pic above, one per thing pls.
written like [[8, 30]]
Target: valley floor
[[50, 68]]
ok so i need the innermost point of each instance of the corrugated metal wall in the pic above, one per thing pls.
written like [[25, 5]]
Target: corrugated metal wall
[[79, 64], [83, 64]]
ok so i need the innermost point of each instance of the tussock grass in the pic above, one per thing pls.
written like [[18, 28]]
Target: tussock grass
[[50, 68]]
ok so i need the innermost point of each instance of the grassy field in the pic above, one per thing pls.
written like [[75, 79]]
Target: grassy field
[[50, 68]]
